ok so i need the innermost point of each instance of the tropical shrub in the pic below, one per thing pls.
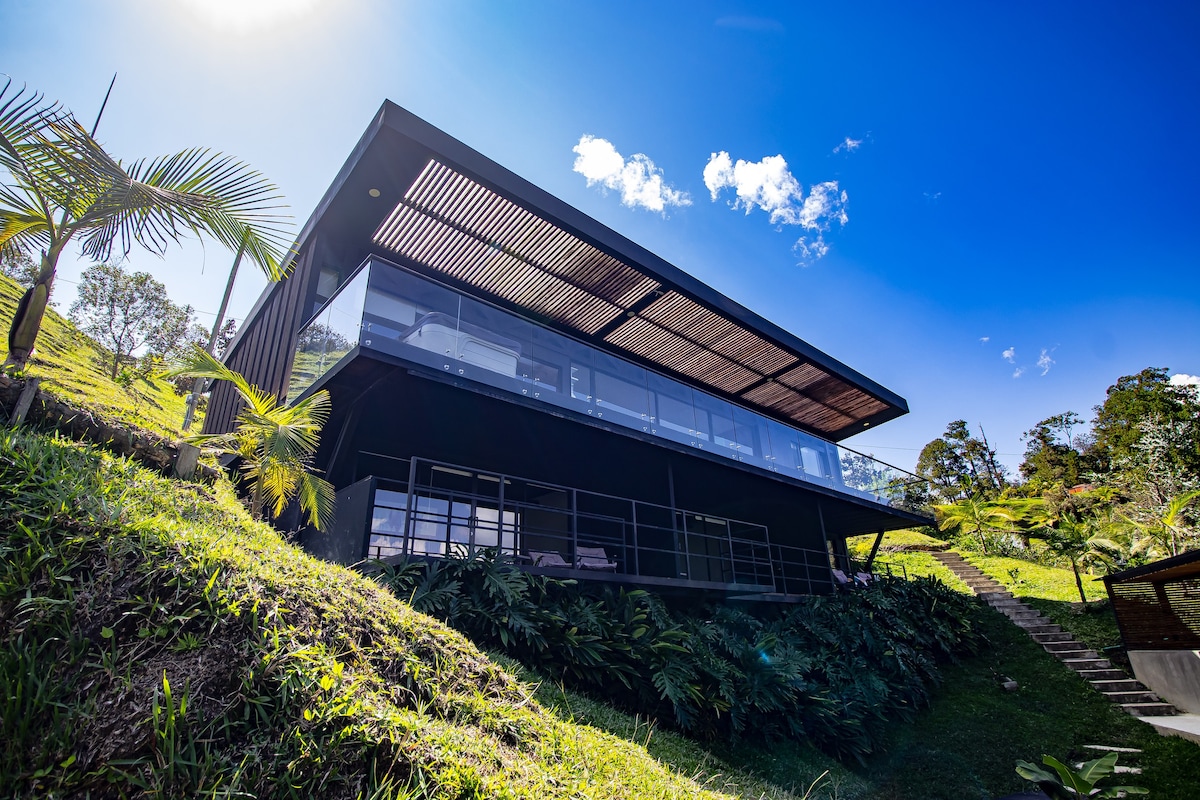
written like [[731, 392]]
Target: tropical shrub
[[833, 670]]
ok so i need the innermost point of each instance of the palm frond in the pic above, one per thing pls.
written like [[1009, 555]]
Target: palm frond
[[194, 191], [317, 498], [197, 363], [153, 203], [23, 115]]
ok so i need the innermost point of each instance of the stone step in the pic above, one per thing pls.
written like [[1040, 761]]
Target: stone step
[[1044, 638], [1117, 685], [997, 599], [1037, 626], [1081, 664], [1123, 698], [1021, 612], [1069, 646], [1108, 748], [1150, 709], [1073, 655], [1104, 678]]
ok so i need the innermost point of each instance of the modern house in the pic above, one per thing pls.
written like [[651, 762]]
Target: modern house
[[508, 373]]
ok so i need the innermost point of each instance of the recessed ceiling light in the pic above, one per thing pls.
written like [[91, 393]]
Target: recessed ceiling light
[[373, 192]]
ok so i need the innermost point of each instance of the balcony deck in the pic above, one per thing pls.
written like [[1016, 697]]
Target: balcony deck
[[570, 533]]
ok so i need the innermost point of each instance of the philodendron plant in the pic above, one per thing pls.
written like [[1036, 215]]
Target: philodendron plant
[[1065, 783]]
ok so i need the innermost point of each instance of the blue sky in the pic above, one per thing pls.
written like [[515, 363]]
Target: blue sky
[[1019, 178]]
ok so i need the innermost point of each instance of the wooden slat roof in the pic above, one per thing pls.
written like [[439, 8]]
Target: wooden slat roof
[[452, 224]]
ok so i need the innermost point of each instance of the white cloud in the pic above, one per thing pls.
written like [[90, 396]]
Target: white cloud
[[770, 186], [1010, 355], [1183, 379], [1018, 372], [1045, 362], [810, 251], [638, 180], [984, 339], [849, 145]]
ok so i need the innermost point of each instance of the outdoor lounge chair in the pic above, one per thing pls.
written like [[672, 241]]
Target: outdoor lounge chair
[[548, 559], [594, 558], [840, 579]]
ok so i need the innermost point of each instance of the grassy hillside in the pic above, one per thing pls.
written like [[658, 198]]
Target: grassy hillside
[[155, 642], [75, 370], [906, 553], [158, 638]]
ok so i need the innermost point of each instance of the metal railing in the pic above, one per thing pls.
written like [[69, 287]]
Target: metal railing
[[564, 532]]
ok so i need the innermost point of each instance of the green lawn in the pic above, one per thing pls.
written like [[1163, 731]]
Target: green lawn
[[1026, 579], [906, 553]]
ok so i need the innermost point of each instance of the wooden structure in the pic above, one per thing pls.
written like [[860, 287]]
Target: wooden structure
[[1158, 612]]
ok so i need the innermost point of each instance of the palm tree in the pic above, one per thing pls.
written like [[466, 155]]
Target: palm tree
[[62, 184], [1168, 531], [1083, 540], [276, 443], [974, 515]]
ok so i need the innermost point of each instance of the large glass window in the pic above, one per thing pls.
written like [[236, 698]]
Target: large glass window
[[413, 318]]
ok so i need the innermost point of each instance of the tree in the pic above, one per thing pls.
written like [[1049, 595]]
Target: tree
[[179, 331], [961, 466], [1083, 540], [276, 443], [974, 515], [224, 337], [1136, 404], [1169, 532], [124, 311], [19, 266], [62, 184], [1051, 455]]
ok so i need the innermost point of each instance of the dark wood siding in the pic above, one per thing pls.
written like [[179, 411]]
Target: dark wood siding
[[263, 351]]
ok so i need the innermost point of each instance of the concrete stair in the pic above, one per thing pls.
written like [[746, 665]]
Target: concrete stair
[[1099, 672]]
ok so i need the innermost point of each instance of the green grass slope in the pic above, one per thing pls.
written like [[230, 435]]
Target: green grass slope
[[155, 641], [74, 369]]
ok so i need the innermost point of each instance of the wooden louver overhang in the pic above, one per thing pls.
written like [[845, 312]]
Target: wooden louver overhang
[[455, 225]]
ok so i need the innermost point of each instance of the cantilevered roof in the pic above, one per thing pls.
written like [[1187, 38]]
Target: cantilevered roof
[[453, 212]]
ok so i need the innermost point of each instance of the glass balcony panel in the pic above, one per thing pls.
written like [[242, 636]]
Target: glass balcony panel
[[673, 410], [785, 449], [562, 371], [388, 309], [818, 460], [324, 341], [621, 394], [493, 346], [753, 441], [410, 317], [714, 424]]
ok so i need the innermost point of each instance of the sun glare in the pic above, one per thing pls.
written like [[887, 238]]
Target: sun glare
[[248, 16]]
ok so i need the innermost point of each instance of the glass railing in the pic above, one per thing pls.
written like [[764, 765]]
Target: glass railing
[[390, 310]]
